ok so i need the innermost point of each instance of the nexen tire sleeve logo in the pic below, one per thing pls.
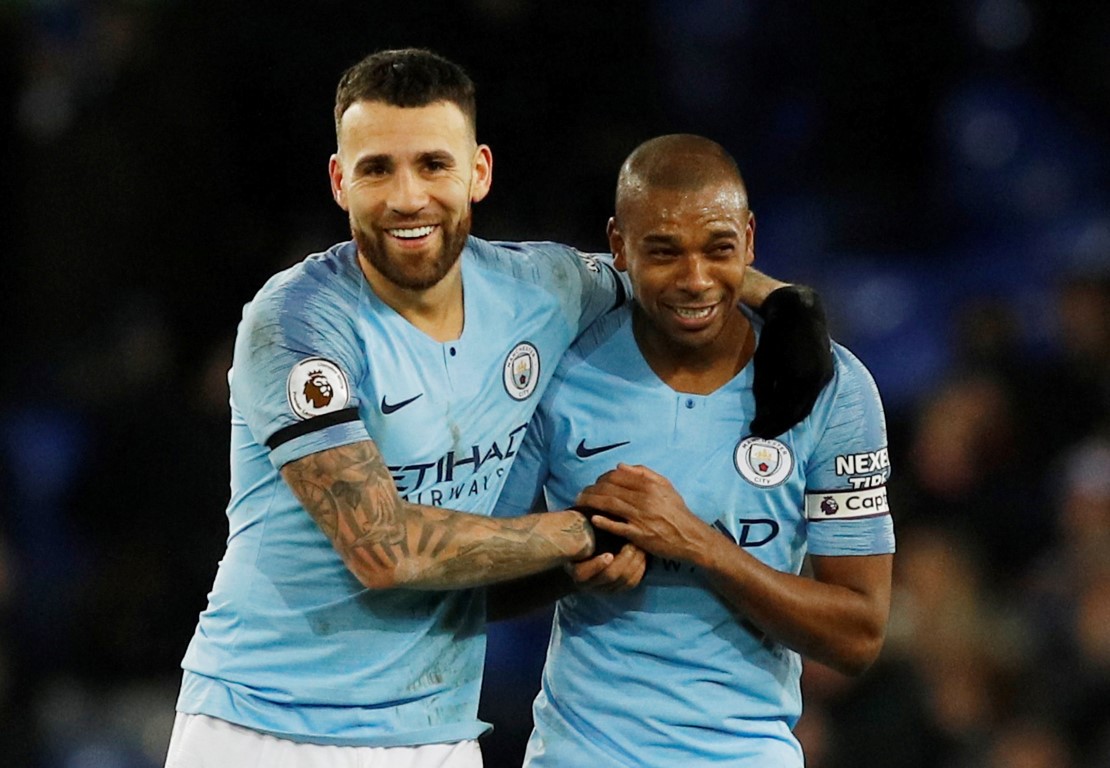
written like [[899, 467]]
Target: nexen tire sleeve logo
[[844, 505]]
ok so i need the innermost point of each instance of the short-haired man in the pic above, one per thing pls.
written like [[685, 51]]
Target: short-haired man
[[699, 663]]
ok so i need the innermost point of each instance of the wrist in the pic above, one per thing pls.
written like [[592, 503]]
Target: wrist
[[580, 535], [709, 548], [603, 540], [758, 287]]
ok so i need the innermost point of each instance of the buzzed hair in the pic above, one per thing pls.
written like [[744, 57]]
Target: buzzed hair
[[406, 77], [676, 161]]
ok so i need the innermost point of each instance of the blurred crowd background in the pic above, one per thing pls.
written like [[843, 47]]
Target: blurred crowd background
[[939, 171]]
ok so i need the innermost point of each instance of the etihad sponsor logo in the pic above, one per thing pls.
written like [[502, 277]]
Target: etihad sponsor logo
[[751, 532], [456, 466], [844, 505], [446, 494]]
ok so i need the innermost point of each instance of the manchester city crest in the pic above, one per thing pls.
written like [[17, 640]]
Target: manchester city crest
[[522, 371], [765, 463]]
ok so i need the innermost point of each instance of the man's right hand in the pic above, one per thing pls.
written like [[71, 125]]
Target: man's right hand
[[609, 571]]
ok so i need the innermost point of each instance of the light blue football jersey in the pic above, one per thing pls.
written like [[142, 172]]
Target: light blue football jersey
[[291, 643], [665, 674]]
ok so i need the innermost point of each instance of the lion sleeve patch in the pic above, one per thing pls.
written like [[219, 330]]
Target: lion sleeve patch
[[315, 387]]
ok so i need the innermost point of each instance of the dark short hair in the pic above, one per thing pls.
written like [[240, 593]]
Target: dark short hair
[[406, 77], [676, 161]]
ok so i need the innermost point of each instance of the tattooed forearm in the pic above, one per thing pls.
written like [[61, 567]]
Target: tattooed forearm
[[455, 549], [478, 550], [386, 541]]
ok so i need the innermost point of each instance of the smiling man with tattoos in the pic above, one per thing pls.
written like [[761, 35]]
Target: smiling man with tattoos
[[376, 409]]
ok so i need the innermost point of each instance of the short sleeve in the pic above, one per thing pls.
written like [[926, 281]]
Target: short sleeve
[[586, 284], [846, 505], [295, 373], [604, 288]]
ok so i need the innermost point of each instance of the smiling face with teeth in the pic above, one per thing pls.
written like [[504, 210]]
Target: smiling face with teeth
[[684, 234], [407, 177]]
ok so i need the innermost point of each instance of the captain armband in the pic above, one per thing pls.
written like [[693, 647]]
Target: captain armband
[[848, 504]]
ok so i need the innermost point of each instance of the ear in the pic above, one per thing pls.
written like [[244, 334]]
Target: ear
[[335, 173], [749, 255], [616, 244], [483, 174]]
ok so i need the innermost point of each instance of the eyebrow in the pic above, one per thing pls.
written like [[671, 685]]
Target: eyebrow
[[381, 159], [434, 155], [725, 233], [440, 155]]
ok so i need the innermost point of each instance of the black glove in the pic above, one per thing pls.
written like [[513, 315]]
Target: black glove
[[793, 361], [604, 541]]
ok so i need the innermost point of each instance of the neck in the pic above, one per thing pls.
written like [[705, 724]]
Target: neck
[[436, 311], [697, 370]]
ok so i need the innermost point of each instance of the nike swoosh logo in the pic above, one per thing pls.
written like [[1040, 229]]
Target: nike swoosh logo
[[584, 453], [388, 408]]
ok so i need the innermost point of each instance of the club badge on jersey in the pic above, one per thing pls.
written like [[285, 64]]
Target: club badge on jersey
[[522, 371], [765, 463], [317, 386]]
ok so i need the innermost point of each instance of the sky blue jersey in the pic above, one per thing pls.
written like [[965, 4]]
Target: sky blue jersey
[[665, 674], [291, 643]]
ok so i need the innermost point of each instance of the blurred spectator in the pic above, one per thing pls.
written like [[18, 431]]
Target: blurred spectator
[[1072, 400], [1028, 743], [965, 472], [1068, 605], [938, 688], [946, 623], [877, 721]]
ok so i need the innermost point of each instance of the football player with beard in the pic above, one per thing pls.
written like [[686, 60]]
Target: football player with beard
[[347, 618]]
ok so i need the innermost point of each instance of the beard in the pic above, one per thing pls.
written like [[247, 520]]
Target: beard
[[416, 271]]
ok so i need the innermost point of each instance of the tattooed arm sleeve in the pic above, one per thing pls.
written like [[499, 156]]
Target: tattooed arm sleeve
[[388, 542]]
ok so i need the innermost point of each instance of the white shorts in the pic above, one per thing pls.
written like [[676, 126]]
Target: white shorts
[[200, 741]]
